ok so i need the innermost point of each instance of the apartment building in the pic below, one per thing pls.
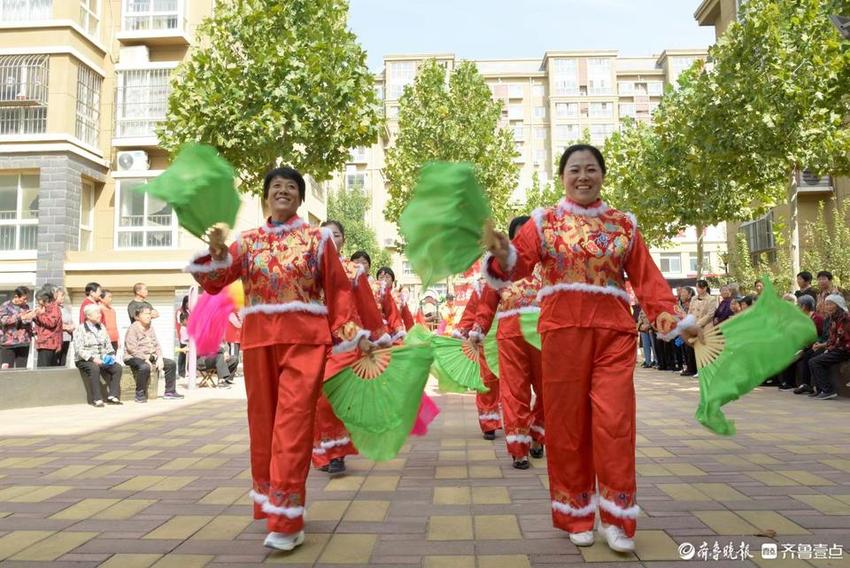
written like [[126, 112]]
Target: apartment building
[[806, 190], [83, 85], [548, 103]]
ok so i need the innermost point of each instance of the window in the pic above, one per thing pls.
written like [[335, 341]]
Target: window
[[87, 198], [145, 15], [653, 107], [519, 133], [25, 10], [143, 220], [515, 91], [680, 64], [655, 88], [515, 112], [379, 92], [400, 74], [706, 262], [19, 212], [759, 234], [538, 91], [392, 111], [601, 110], [566, 110], [671, 263], [89, 16], [142, 99], [600, 132], [598, 76], [565, 74], [628, 109], [626, 88], [567, 132], [407, 268], [358, 155], [540, 133], [540, 112], [88, 105], [355, 182], [23, 94], [540, 157]]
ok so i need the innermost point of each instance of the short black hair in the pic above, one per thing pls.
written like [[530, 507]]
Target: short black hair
[[46, 294], [826, 273], [757, 282], [91, 287], [362, 254], [581, 148], [748, 299], [22, 292], [104, 292], [805, 275], [704, 284], [385, 270], [336, 224], [516, 223], [285, 172]]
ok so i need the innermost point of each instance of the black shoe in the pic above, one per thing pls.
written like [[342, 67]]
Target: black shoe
[[813, 394], [490, 435], [826, 395], [537, 452], [786, 386], [521, 463], [803, 389], [113, 400], [336, 466]]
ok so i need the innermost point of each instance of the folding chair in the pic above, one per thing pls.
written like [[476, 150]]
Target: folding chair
[[208, 375]]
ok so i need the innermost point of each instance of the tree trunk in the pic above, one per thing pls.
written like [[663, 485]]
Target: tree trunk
[[700, 248]]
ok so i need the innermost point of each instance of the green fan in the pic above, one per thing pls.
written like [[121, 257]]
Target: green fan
[[419, 335], [443, 224], [378, 397], [460, 362], [199, 186], [528, 325], [739, 354], [491, 348]]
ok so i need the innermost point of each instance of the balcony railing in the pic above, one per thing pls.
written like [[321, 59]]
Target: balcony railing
[[142, 100], [25, 10], [813, 183], [151, 15]]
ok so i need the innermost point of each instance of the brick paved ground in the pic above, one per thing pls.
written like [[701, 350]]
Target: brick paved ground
[[170, 490]]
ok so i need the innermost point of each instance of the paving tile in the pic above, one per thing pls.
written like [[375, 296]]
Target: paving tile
[[441, 527], [825, 504], [50, 549], [224, 527], [452, 496], [451, 472], [348, 483], [126, 509], [183, 561], [69, 471], [490, 495], [139, 483], [84, 509], [725, 523], [721, 492], [600, 552], [771, 520], [496, 527], [655, 545], [367, 511], [449, 562], [380, 483], [179, 527], [772, 478], [807, 478], [225, 496], [326, 510], [15, 541], [306, 554], [504, 561], [41, 494], [349, 549], [683, 492], [485, 472]]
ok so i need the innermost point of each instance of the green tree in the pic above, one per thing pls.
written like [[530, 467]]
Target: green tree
[[829, 246], [274, 81], [740, 262], [540, 195], [349, 207], [454, 120]]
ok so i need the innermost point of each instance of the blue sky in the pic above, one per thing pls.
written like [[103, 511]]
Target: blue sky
[[495, 29]]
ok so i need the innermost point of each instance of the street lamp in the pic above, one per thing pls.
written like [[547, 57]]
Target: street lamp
[[842, 24]]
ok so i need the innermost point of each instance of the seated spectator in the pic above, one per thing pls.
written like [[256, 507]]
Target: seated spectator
[[758, 288], [16, 330], [225, 365], [807, 304], [735, 305], [746, 302], [804, 283], [837, 348], [825, 288], [724, 308], [93, 291], [48, 328], [95, 357], [141, 351], [140, 300], [110, 318]]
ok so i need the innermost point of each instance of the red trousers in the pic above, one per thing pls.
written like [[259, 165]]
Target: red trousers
[[330, 438], [489, 416], [589, 399], [520, 369], [282, 382]]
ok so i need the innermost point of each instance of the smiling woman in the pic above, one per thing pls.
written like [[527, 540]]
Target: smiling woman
[[298, 302]]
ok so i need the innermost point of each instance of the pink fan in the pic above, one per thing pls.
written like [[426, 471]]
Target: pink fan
[[208, 320], [428, 411]]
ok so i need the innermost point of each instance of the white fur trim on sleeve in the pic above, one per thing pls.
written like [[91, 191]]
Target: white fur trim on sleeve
[[296, 223], [492, 281], [384, 340], [517, 311], [518, 439], [568, 509], [311, 308], [689, 322], [327, 235], [575, 209], [583, 287], [612, 508], [194, 267], [399, 335], [350, 345]]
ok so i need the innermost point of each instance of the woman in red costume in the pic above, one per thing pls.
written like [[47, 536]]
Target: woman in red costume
[[386, 275], [520, 363], [331, 441], [383, 297], [586, 249], [489, 413], [298, 301]]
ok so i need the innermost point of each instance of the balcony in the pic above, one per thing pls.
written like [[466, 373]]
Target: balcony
[[141, 103], [808, 182], [153, 22], [13, 11], [23, 94]]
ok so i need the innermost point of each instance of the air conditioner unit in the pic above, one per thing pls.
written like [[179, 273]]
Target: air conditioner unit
[[135, 160]]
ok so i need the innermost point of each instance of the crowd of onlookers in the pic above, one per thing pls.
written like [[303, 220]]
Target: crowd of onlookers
[[809, 374], [92, 336]]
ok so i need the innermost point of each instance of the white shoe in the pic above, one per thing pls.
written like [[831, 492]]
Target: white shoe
[[582, 539], [284, 541], [617, 539]]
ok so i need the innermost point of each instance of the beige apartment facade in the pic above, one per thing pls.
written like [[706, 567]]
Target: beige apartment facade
[[806, 190], [83, 86], [548, 103]]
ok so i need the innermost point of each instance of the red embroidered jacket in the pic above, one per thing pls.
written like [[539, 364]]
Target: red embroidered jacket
[[388, 308], [401, 302], [364, 302], [296, 290], [506, 305], [584, 255], [467, 318]]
